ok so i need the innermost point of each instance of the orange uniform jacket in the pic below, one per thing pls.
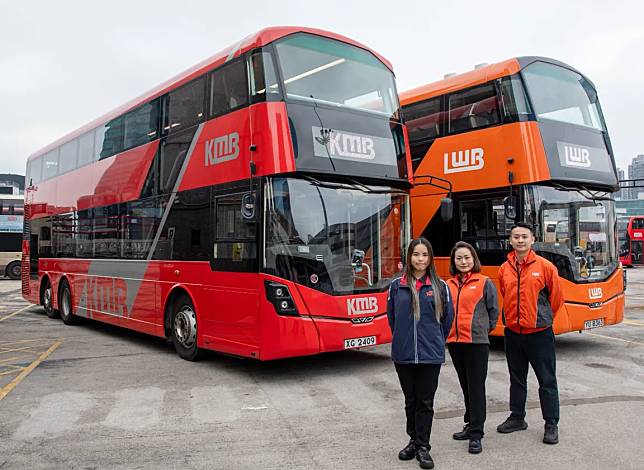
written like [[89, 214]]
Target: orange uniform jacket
[[476, 309], [531, 293]]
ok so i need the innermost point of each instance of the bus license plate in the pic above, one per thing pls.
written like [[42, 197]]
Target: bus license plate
[[359, 342], [588, 324]]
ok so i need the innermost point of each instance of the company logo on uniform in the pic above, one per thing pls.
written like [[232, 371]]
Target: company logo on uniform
[[221, 149], [345, 144], [576, 156], [595, 293], [463, 160], [362, 305], [536, 274]]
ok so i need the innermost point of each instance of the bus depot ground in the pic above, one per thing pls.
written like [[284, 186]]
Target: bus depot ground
[[95, 396]]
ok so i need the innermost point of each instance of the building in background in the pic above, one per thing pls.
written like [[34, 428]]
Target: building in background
[[636, 171], [12, 184]]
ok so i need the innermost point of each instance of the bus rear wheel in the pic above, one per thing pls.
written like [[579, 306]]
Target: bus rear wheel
[[13, 270], [184, 329], [47, 300], [65, 303]]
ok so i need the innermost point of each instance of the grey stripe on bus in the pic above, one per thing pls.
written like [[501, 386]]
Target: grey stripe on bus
[[130, 271]]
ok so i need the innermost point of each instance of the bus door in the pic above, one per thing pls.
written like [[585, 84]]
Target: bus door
[[636, 252]]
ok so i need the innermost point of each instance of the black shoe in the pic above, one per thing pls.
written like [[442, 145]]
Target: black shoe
[[423, 457], [462, 435], [551, 434], [475, 446], [512, 424], [409, 452]]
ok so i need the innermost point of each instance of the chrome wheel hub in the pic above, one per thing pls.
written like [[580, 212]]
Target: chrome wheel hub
[[185, 326]]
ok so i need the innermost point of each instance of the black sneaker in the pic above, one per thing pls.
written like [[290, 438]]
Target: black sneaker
[[462, 435], [409, 452], [551, 434], [423, 457], [475, 446], [512, 424]]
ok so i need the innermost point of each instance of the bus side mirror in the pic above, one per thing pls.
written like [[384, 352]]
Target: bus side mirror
[[248, 206], [447, 209], [509, 207]]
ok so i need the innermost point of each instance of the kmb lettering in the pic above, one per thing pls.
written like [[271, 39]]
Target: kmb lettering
[[106, 295], [350, 145], [360, 305], [577, 156], [221, 149], [463, 160], [595, 293]]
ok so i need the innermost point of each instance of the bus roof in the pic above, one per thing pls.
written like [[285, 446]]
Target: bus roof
[[476, 77], [254, 40]]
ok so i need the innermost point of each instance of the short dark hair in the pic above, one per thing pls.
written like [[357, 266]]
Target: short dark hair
[[453, 270], [523, 225]]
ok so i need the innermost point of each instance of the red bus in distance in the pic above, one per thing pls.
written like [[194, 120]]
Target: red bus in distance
[[630, 232], [256, 204]]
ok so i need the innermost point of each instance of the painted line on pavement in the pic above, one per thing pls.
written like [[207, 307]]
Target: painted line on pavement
[[4, 391], [15, 313], [615, 339]]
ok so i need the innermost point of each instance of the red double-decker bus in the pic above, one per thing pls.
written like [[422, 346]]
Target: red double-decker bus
[[256, 204], [630, 231]]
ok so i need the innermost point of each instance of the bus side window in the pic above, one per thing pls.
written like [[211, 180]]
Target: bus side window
[[184, 107], [263, 79], [473, 108], [423, 122], [142, 124], [228, 88]]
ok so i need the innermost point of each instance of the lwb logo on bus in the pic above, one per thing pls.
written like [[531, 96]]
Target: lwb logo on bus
[[577, 156], [362, 305], [464, 160], [595, 293], [221, 149]]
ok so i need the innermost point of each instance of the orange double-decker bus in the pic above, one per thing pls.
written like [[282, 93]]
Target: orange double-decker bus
[[521, 140]]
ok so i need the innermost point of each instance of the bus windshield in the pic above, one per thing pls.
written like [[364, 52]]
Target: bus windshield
[[334, 237], [577, 235], [334, 73], [559, 94]]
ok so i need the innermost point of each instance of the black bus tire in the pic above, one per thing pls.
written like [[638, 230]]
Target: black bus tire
[[47, 299], [184, 329], [13, 270], [65, 304]]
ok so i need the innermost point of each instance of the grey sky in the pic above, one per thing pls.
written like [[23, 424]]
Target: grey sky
[[64, 63]]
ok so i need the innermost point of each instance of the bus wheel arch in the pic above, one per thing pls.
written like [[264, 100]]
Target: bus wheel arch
[[180, 324], [13, 270], [65, 302], [47, 297]]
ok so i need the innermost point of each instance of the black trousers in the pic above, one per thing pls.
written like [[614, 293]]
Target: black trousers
[[419, 383], [470, 362], [538, 350]]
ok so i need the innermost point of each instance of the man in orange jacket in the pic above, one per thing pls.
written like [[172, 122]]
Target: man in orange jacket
[[531, 298]]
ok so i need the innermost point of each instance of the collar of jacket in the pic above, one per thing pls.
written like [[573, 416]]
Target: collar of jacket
[[471, 277], [531, 257], [403, 280]]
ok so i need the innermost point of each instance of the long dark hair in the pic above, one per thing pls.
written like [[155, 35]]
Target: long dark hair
[[433, 276], [453, 270]]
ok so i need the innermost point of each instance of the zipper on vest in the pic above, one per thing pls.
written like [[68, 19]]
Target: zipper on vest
[[458, 297], [518, 270]]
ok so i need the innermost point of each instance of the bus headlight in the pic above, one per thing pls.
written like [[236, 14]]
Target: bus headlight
[[279, 295]]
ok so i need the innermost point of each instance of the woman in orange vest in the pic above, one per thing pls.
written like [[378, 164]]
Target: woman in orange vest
[[475, 314]]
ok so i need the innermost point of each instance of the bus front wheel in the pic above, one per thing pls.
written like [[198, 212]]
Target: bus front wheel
[[184, 329]]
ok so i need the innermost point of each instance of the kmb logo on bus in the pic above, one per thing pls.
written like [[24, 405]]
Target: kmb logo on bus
[[362, 305], [221, 149], [344, 144], [595, 293], [464, 160], [577, 156]]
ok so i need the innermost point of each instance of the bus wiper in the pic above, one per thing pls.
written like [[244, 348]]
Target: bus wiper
[[587, 193], [325, 136], [354, 185]]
